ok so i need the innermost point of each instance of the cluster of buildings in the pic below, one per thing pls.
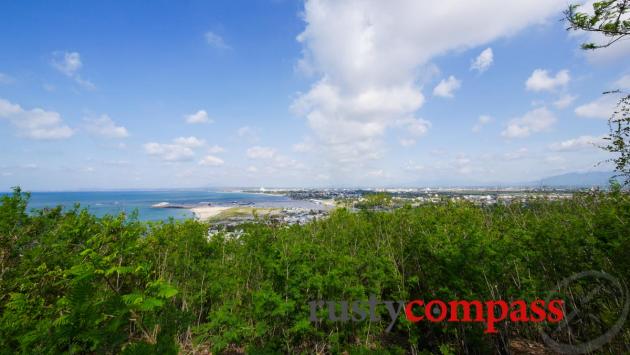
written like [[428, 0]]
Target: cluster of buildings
[[487, 198], [428, 194], [285, 216], [299, 215], [480, 196], [399, 197]]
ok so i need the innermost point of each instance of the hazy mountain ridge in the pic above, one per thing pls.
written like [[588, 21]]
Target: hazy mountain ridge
[[577, 179]]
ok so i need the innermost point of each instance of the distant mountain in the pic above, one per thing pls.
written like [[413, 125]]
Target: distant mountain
[[568, 180], [587, 179]]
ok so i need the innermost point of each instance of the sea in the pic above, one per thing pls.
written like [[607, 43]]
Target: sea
[[102, 203]]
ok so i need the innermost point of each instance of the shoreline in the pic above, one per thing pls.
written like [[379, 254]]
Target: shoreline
[[205, 212]]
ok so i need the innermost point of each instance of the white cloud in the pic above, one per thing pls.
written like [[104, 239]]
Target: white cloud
[[369, 56], [69, 63], [86, 84], [303, 147], [191, 142], [200, 116], [540, 80], [169, 152], [283, 162], [104, 126], [274, 162], [8, 109], [258, 152], [5, 79], [407, 142], [483, 61], [211, 160], [484, 119], [181, 149], [579, 143], [215, 40], [35, 123], [216, 149], [603, 107], [350, 128], [463, 165], [417, 127], [447, 87], [538, 120], [481, 121], [564, 101]]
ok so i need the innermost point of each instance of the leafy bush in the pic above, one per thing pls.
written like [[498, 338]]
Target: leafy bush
[[71, 282]]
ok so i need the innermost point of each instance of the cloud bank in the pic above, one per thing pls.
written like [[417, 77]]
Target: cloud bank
[[36, 123], [367, 56]]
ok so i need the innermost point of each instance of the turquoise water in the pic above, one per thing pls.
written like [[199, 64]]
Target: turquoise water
[[114, 202]]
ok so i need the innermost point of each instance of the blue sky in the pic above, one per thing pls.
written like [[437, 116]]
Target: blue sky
[[291, 93]]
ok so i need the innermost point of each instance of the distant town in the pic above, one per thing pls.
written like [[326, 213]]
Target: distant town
[[481, 195], [416, 196], [325, 200]]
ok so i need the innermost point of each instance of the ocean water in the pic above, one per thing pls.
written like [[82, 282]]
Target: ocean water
[[114, 202]]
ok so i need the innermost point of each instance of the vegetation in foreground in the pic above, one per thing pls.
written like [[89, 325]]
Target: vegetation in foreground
[[71, 282]]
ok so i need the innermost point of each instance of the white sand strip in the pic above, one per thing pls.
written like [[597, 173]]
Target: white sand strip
[[205, 212]]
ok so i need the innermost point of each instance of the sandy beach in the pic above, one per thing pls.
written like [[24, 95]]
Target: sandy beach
[[327, 202], [205, 212]]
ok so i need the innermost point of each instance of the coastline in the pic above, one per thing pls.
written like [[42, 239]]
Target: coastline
[[205, 212], [242, 205]]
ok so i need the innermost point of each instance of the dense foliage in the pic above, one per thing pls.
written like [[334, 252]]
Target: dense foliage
[[71, 282]]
